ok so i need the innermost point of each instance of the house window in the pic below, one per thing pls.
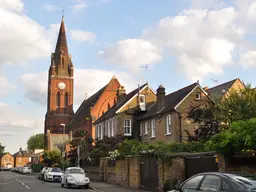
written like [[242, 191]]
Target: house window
[[146, 128], [108, 128], [127, 127], [112, 128], [58, 100], [141, 129], [153, 128], [168, 124], [198, 96], [101, 131], [20, 160], [142, 99]]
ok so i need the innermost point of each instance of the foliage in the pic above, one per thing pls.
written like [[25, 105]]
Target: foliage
[[240, 136], [114, 154], [214, 118], [52, 157], [1, 149], [82, 144], [160, 150], [36, 142]]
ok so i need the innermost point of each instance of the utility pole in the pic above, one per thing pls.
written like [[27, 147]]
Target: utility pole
[[63, 147], [78, 155]]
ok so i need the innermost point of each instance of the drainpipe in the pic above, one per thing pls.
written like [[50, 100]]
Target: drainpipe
[[180, 125]]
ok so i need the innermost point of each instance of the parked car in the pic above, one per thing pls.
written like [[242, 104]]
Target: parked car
[[53, 174], [75, 176], [214, 181], [41, 174], [26, 170]]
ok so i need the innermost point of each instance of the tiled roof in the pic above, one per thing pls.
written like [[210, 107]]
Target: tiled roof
[[23, 153], [171, 101], [218, 90], [111, 112], [84, 109]]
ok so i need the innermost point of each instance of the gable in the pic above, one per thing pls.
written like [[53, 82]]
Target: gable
[[133, 101], [191, 99], [191, 96]]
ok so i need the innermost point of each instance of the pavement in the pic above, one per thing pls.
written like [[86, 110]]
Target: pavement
[[14, 182]]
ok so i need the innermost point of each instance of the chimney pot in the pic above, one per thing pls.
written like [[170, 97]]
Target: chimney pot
[[160, 101]]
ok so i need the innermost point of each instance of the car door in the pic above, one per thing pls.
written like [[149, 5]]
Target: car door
[[191, 185]]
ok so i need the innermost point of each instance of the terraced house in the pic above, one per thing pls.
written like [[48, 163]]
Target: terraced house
[[121, 118], [166, 119], [22, 158]]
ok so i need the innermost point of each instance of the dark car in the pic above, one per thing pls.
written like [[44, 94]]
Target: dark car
[[218, 182]]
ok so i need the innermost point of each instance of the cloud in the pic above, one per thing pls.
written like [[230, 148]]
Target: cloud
[[13, 122], [12, 5], [36, 84], [51, 7], [83, 36], [78, 5], [132, 53], [5, 86], [22, 38], [248, 59]]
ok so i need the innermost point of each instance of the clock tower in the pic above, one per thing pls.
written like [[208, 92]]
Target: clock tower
[[60, 87]]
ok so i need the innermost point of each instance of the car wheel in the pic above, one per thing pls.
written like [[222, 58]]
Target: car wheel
[[67, 184], [86, 186], [62, 185]]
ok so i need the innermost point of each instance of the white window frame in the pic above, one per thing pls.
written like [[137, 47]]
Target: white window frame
[[112, 128], [108, 127], [153, 128], [146, 128], [102, 131], [128, 127], [168, 124], [198, 96], [141, 129], [143, 99]]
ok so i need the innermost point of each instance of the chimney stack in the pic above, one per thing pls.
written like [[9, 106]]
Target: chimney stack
[[160, 100], [121, 93]]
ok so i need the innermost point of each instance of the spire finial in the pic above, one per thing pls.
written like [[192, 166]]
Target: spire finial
[[62, 15]]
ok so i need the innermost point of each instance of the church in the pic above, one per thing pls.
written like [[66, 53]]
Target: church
[[60, 119]]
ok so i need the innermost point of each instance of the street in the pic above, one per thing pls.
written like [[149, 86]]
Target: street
[[13, 182]]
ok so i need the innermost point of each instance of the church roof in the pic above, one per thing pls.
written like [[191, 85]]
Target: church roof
[[84, 109], [62, 40]]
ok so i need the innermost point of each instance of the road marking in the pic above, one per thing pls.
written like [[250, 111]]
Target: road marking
[[3, 183], [96, 189], [21, 182]]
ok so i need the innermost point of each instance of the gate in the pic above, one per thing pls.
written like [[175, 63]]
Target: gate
[[199, 164], [149, 174]]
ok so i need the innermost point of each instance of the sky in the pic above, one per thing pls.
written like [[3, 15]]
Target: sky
[[181, 42]]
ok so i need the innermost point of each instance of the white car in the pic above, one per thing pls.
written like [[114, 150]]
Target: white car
[[26, 170], [53, 174], [75, 176]]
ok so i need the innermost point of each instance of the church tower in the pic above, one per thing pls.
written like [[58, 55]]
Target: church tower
[[60, 87]]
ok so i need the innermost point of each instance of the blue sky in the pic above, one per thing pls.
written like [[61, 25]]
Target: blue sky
[[181, 41]]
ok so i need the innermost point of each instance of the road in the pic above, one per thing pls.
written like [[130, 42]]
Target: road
[[13, 182]]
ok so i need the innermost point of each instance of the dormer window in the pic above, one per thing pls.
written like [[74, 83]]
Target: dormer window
[[142, 102], [198, 96]]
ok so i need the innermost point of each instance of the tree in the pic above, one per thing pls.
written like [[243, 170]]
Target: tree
[[36, 142], [52, 158], [239, 137], [1, 149], [216, 117]]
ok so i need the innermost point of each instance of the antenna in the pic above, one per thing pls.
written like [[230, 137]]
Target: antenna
[[62, 15], [142, 76]]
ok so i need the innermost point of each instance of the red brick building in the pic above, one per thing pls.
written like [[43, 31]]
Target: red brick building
[[6, 160], [60, 87], [93, 107]]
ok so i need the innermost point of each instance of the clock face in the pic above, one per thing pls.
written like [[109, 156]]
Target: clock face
[[61, 85]]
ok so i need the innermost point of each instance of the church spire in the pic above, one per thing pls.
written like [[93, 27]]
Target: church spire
[[61, 45]]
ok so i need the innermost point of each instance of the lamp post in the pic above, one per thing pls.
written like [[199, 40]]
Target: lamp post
[[63, 152]]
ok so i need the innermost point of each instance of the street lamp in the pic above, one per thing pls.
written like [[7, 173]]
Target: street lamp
[[63, 153]]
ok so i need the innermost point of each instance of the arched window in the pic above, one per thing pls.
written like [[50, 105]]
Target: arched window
[[66, 100], [102, 112], [58, 100], [62, 61], [114, 101], [108, 106]]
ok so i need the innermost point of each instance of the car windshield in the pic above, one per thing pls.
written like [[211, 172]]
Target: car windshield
[[245, 180], [76, 171], [56, 170]]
